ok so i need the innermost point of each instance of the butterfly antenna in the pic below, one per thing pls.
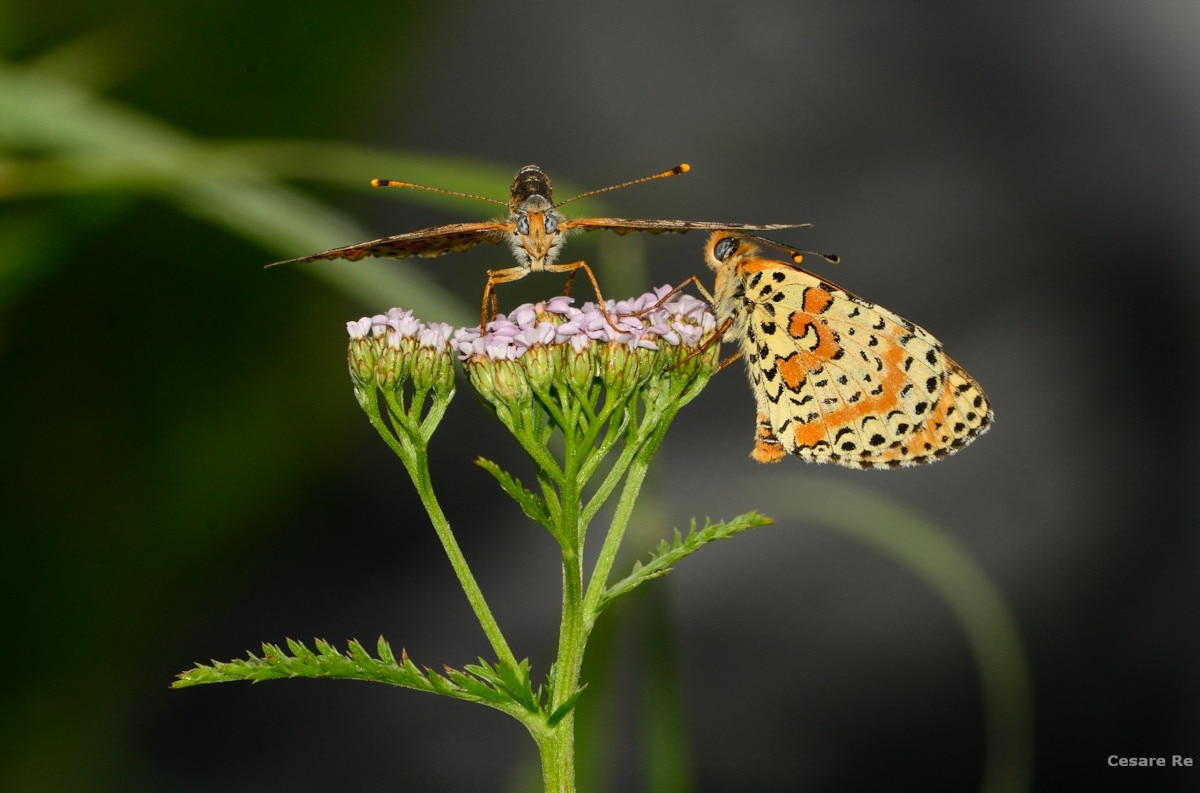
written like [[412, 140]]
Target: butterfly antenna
[[797, 254], [415, 186], [683, 167]]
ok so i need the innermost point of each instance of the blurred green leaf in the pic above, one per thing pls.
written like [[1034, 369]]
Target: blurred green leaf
[[63, 139], [934, 555]]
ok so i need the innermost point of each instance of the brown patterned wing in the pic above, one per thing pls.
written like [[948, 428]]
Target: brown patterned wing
[[625, 226], [427, 243]]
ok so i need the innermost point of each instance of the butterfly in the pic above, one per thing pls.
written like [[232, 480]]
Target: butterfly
[[836, 379], [534, 230]]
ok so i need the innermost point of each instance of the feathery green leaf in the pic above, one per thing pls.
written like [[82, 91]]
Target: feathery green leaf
[[667, 554]]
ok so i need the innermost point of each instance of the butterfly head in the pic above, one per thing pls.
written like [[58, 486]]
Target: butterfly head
[[726, 248], [535, 233]]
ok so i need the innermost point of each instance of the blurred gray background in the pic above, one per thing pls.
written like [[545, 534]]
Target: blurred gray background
[[1020, 178]]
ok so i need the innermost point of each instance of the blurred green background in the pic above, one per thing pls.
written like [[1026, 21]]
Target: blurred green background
[[157, 438], [185, 472]]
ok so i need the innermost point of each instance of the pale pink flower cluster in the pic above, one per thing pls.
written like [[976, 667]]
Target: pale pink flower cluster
[[398, 325], [682, 320]]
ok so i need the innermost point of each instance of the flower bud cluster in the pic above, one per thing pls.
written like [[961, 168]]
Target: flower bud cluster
[[553, 344], [387, 350]]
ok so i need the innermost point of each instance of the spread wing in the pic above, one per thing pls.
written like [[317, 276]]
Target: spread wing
[[427, 243], [839, 379], [625, 226]]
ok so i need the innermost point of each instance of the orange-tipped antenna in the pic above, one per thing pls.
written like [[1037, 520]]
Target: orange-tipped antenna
[[415, 186], [683, 167], [797, 254]]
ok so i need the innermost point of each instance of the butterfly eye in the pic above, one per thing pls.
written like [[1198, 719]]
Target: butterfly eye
[[724, 248], [522, 223], [551, 223]]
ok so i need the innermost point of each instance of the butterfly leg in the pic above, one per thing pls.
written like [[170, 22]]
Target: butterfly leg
[[691, 279], [575, 268], [489, 296], [570, 280], [710, 341], [507, 275], [717, 334], [572, 269], [489, 307]]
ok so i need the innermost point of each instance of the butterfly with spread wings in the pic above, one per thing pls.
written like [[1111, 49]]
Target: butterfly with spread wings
[[535, 231]]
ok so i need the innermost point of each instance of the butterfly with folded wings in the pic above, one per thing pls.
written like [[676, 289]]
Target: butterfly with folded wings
[[534, 230], [837, 379]]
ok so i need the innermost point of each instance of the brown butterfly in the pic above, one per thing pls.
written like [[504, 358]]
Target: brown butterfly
[[535, 231]]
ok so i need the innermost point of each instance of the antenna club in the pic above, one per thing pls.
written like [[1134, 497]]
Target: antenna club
[[683, 167], [385, 183]]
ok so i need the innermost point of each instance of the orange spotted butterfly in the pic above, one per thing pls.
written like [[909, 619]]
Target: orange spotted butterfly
[[836, 379]]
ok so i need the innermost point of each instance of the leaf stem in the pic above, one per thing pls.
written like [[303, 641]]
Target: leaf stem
[[412, 449]]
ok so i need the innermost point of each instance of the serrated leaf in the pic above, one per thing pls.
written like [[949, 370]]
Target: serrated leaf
[[533, 505], [483, 684], [483, 670], [563, 709], [384, 650], [515, 682], [326, 649], [438, 683], [668, 554], [474, 685], [300, 651]]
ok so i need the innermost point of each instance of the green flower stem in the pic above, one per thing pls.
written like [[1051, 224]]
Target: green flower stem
[[557, 746], [580, 609], [412, 449], [535, 447], [601, 447], [639, 466], [582, 455]]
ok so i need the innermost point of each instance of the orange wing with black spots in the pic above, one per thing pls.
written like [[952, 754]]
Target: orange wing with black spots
[[836, 378]]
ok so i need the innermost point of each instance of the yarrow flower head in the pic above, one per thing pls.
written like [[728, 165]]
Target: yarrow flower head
[[554, 343], [635, 324], [544, 362], [386, 350]]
